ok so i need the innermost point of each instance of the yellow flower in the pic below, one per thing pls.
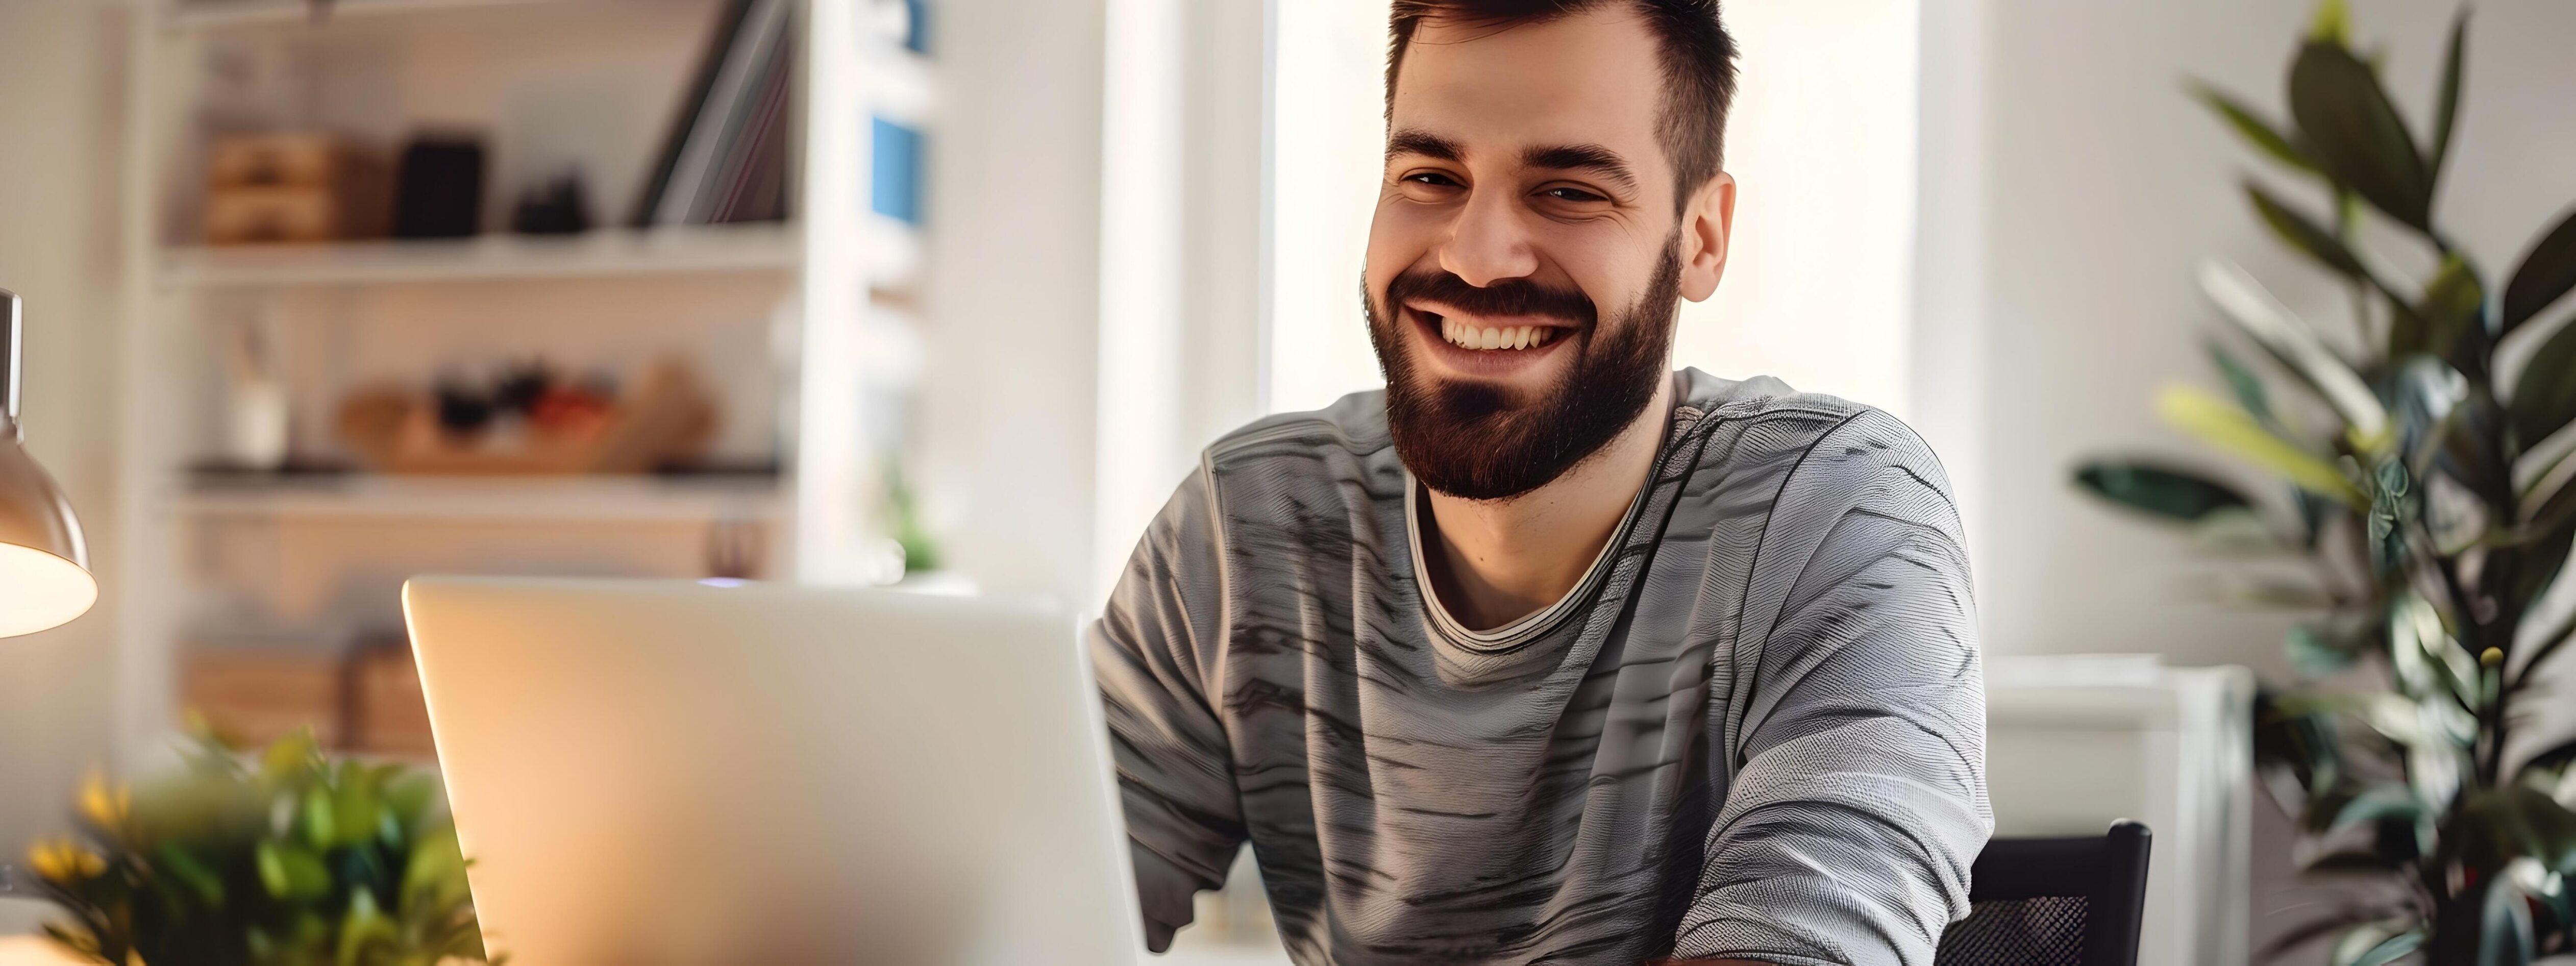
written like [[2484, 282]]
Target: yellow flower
[[103, 805], [62, 860]]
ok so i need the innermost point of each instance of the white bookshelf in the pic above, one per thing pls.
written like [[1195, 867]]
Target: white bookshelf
[[464, 498], [221, 14], [805, 301], [595, 254]]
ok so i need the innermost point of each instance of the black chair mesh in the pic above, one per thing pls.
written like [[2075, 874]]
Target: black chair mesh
[[2039, 931]]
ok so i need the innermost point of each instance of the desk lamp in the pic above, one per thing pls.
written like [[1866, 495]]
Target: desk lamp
[[44, 568]]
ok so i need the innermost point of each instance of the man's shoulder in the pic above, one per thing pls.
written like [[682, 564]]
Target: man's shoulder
[[1788, 423], [1805, 451], [1762, 401], [1352, 429]]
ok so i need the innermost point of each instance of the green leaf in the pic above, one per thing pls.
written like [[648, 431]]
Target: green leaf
[[2332, 23], [206, 886], [408, 795], [2542, 559], [2548, 509], [2384, 803], [2495, 826], [2297, 751], [2446, 104], [2424, 392], [2469, 453], [2247, 386], [2304, 234], [2424, 657], [2373, 944], [290, 759], [2289, 339], [2316, 652], [2390, 950], [2504, 926], [2236, 530], [2453, 302], [291, 873], [2172, 493], [2356, 134], [2547, 271], [2229, 428], [2544, 396], [2555, 757], [321, 827], [362, 928], [356, 813], [436, 873], [2262, 134]]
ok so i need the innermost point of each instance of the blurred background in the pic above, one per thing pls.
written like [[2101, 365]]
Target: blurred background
[[951, 292]]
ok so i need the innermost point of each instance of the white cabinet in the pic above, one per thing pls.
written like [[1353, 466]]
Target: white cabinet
[[2074, 743]]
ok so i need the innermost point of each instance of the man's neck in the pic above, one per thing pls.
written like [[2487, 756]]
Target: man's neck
[[1496, 561]]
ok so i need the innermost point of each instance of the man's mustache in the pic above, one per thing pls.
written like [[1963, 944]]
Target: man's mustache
[[1515, 296]]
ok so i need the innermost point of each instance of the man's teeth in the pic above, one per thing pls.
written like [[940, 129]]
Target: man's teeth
[[1510, 337]]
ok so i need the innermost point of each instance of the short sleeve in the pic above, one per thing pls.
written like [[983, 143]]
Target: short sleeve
[[1152, 650], [1859, 799]]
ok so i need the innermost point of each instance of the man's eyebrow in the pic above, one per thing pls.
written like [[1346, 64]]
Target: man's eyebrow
[[1424, 143], [1582, 157]]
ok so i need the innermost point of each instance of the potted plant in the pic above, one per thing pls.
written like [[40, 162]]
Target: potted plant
[[282, 858], [2422, 475]]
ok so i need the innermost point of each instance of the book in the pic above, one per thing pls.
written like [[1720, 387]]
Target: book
[[715, 136]]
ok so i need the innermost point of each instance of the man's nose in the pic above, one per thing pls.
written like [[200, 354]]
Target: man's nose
[[1488, 243]]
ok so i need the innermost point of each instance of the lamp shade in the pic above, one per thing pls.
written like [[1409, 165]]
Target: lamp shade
[[44, 565]]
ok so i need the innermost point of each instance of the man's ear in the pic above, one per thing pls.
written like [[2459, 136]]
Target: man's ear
[[1708, 225]]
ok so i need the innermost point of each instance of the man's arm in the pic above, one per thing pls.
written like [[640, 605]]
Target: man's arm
[[1859, 800], [1151, 650]]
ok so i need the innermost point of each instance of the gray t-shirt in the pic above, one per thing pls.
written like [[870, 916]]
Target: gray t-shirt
[[1756, 729]]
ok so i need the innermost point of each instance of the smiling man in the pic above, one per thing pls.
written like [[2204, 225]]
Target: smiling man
[[1548, 654]]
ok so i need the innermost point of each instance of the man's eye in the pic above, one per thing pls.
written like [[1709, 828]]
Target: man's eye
[[1573, 194], [1431, 178]]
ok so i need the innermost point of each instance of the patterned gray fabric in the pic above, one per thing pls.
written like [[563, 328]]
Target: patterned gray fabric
[[1761, 733]]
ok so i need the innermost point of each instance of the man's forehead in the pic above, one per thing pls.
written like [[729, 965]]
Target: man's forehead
[[1588, 78]]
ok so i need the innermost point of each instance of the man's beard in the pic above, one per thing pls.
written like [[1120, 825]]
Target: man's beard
[[1479, 441]]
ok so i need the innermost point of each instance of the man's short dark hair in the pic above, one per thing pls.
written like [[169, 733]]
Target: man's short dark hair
[[1698, 59]]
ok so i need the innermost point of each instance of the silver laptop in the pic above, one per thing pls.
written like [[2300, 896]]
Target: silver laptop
[[652, 772]]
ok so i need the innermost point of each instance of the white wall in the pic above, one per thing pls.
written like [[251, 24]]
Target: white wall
[[59, 115], [1818, 287], [1008, 389], [1326, 159], [1182, 200], [2103, 185]]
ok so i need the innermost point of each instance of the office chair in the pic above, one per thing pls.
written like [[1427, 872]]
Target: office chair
[[2053, 902]]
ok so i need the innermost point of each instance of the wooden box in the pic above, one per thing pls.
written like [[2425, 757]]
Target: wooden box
[[261, 696], [388, 715], [240, 216], [272, 160], [298, 187]]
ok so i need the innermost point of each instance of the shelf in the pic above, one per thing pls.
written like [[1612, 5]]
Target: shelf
[[639, 498], [217, 14], [728, 248]]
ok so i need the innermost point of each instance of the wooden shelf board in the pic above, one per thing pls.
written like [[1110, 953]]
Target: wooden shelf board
[[217, 14], [566, 499], [731, 248]]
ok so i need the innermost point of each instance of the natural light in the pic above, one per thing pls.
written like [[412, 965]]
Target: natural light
[[1818, 288]]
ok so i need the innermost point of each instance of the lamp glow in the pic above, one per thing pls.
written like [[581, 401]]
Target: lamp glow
[[44, 563], [41, 590]]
